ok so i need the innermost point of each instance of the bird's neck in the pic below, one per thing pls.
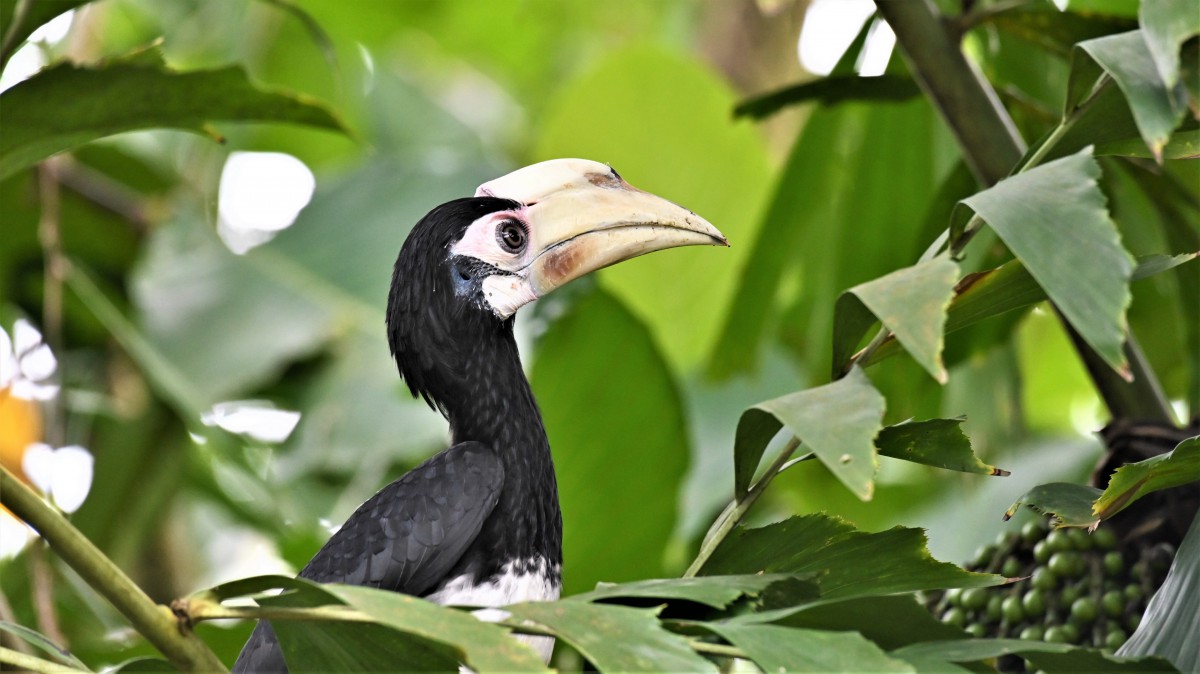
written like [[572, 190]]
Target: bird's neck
[[496, 406]]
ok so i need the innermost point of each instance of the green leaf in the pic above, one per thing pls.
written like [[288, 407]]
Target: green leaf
[[1068, 503], [681, 295], [484, 647], [1183, 144], [837, 422], [1054, 220], [1172, 619], [788, 649], [67, 105], [1157, 108], [829, 91], [852, 563], [615, 638], [1166, 25], [142, 665], [714, 591], [755, 429], [911, 302], [1006, 288], [620, 451], [1082, 659], [890, 621], [936, 442], [38, 14], [44, 643], [1134, 480], [1054, 30]]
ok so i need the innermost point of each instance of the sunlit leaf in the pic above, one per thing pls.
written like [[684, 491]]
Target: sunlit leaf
[[837, 422], [788, 649], [1172, 619], [1135, 480], [615, 638], [830, 91], [911, 302], [1054, 220], [936, 442], [1183, 144], [67, 105], [851, 563], [1068, 503], [714, 591], [615, 420], [1157, 108]]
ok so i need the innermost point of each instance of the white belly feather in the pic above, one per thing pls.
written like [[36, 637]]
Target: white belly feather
[[536, 582]]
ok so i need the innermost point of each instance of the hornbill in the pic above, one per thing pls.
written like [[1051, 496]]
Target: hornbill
[[479, 523]]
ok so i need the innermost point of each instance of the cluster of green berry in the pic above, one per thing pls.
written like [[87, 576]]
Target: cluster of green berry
[[1073, 587]]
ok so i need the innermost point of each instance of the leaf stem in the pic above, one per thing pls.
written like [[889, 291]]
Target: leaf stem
[[198, 611], [9, 45], [154, 621], [717, 649], [32, 663], [737, 509]]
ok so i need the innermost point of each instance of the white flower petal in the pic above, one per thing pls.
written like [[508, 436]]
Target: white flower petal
[[25, 336], [28, 390], [8, 362], [73, 470], [38, 464], [14, 535], [253, 418], [38, 363]]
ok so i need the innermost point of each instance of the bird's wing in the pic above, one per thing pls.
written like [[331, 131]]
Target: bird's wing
[[404, 538]]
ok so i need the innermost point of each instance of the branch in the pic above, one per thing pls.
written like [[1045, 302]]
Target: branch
[[992, 147], [155, 622]]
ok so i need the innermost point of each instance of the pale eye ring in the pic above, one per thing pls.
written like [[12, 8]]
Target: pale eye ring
[[511, 236]]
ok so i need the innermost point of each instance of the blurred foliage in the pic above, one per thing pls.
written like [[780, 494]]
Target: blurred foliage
[[643, 372]]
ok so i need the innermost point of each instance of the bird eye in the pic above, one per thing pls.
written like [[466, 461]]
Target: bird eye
[[511, 235]]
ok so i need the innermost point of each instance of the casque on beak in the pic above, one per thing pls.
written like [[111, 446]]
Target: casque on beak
[[583, 216]]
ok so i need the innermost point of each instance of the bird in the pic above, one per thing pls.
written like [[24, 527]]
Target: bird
[[478, 524]]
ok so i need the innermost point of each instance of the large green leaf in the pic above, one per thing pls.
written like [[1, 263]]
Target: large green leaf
[[1134, 480], [788, 649], [67, 105], [837, 422], [1054, 220], [1157, 108], [891, 621], [47, 645], [615, 420], [1081, 659], [1172, 619], [1052, 29], [911, 302], [936, 442], [1166, 25], [615, 638], [851, 563], [683, 294]]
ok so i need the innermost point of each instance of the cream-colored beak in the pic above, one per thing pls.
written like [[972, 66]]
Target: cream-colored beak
[[582, 217]]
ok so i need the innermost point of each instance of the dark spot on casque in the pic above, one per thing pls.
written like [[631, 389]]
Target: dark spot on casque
[[611, 179], [558, 263]]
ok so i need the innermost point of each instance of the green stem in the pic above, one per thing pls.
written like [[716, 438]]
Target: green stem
[[9, 44], [32, 663], [201, 611], [737, 509], [155, 622]]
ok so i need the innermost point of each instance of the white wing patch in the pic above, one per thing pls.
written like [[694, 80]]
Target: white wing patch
[[510, 587]]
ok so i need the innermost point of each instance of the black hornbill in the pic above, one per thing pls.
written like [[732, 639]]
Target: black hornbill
[[479, 523]]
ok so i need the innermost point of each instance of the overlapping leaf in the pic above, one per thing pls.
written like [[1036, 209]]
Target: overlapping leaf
[[851, 563], [615, 638], [1054, 220], [788, 649], [837, 422], [911, 303], [935, 442], [1172, 619], [1134, 480], [1070, 504], [713, 591]]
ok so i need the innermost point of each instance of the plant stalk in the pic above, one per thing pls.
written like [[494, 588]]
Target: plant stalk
[[154, 621], [737, 509]]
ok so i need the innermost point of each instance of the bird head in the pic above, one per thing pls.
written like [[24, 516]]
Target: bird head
[[470, 264]]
